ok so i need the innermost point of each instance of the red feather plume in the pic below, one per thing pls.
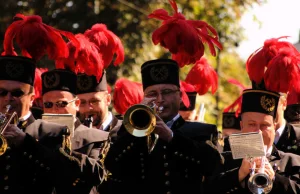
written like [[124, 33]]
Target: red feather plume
[[36, 38], [184, 38], [86, 60], [108, 44], [38, 82], [126, 94], [203, 77], [237, 104], [283, 72], [184, 88], [293, 97], [259, 60]]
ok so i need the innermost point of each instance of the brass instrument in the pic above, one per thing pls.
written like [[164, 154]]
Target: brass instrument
[[260, 182], [88, 121], [140, 121], [5, 119]]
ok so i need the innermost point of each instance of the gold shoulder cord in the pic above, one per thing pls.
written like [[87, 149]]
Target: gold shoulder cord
[[66, 145], [102, 157]]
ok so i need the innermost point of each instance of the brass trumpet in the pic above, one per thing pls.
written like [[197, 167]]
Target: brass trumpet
[[5, 119], [260, 182], [140, 121]]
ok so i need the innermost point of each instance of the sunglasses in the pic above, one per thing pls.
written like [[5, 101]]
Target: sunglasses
[[14, 93], [59, 104]]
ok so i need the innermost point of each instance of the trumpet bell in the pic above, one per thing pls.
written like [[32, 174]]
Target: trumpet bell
[[260, 183], [139, 120]]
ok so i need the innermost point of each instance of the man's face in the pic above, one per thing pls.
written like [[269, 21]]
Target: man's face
[[60, 102], [259, 122], [94, 104], [167, 96], [17, 94]]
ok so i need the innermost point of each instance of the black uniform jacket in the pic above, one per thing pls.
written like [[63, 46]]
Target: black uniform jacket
[[286, 178], [174, 167], [289, 140], [40, 163], [86, 144]]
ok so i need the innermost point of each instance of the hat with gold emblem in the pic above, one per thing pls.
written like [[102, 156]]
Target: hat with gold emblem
[[17, 68], [59, 79], [87, 84], [160, 71], [261, 101]]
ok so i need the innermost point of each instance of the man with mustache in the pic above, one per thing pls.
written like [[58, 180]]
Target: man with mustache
[[59, 97], [94, 102], [181, 157]]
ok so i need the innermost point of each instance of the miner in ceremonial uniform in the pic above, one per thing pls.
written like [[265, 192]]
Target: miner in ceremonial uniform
[[180, 157], [94, 102], [258, 115], [59, 97], [37, 159]]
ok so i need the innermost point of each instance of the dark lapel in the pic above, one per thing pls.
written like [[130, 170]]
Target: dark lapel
[[274, 155], [113, 123], [77, 123], [23, 124], [178, 123], [287, 137]]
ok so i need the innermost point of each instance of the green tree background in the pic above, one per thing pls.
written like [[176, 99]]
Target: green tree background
[[128, 19]]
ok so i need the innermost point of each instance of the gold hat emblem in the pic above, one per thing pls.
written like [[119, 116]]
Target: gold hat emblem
[[268, 104], [228, 122], [14, 70], [159, 74], [84, 83], [51, 80]]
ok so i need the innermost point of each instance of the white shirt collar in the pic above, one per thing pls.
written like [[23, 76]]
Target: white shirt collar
[[171, 122], [279, 132], [107, 121], [24, 118]]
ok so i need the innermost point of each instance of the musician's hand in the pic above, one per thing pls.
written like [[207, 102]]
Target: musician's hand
[[14, 135], [162, 130], [244, 169], [268, 168]]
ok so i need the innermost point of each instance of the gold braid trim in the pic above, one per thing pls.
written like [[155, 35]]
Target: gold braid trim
[[66, 146], [102, 156]]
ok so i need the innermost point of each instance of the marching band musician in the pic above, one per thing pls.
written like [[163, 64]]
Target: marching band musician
[[181, 156], [33, 162], [94, 101], [59, 97], [38, 158], [259, 113]]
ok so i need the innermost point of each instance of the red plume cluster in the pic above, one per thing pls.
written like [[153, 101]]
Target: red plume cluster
[[237, 104], [36, 39], [184, 88], [38, 101], [126, 94], [87, 59], [107, 42], [184, 38], [276, 63], [203, 77]]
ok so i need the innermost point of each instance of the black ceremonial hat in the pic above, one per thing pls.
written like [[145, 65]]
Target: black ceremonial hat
[[160, 71], [59, 79], [87, 84], [230, 121], [17, 68], [292, 113], [261, 101], [192, 98]]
